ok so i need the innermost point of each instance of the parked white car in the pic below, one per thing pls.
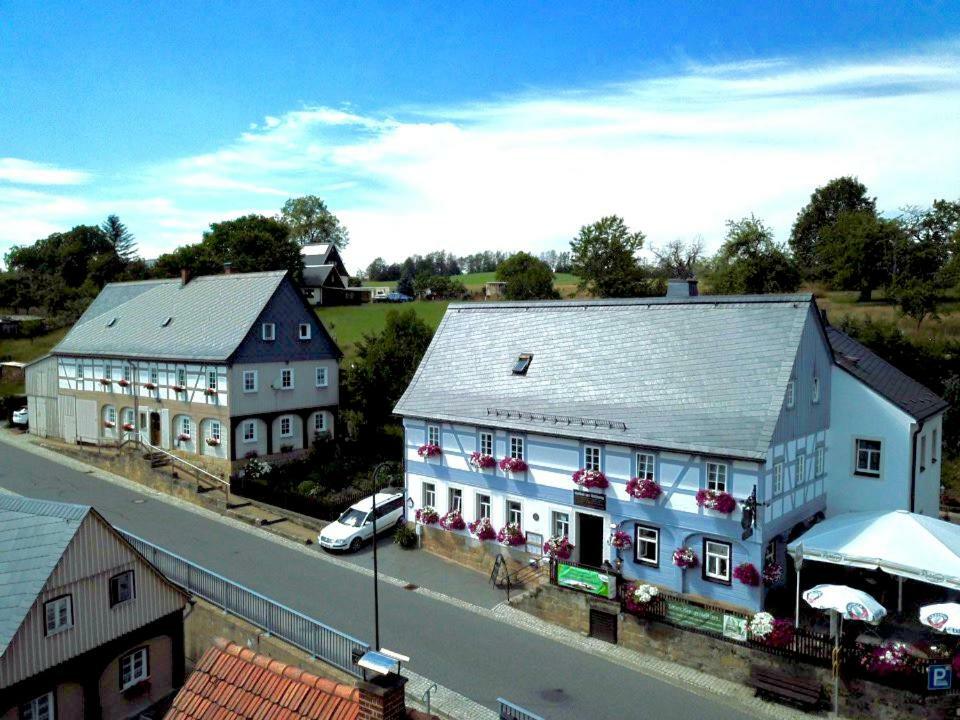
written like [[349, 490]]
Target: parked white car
[[19, 417], [355, 526]]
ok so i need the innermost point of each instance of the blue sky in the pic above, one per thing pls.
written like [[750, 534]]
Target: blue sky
[[467, 126]]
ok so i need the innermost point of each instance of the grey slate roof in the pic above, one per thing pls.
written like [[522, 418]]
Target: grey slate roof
[[706, 374], [915, 399], [316, 275], [211, 316], [33, 536]]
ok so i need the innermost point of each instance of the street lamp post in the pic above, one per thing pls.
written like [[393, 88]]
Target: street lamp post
[[376, 597]]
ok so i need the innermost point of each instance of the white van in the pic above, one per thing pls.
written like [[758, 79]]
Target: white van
[[355, 526]]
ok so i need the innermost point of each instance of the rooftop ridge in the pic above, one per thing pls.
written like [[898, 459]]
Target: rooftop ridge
[[631, 302], [42, 508]]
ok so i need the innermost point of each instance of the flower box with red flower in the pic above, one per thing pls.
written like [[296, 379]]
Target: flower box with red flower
[[481, 461], [483, 529], [178, 388], [210, 391], [513, 465], [621, 540], [150, 386], [747, 573], [106, 381], [453, 520], [590, 479], [772, 573], [638, 596], [427, 516], [684, 557], [766, 629], [559, 548], [429, 450], [123, 383], [129, 427], [183, 437], [722, 502], [890, 658], [109, 424], [212, 441], [511, 535], [643, 488]]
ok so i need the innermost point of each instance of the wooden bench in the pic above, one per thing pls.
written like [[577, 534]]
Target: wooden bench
[[787, 688]]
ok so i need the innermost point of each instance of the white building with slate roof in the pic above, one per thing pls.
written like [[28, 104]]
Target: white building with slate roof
[[695, 396]]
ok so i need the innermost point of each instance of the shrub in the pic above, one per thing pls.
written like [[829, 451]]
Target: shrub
[[405, 537]]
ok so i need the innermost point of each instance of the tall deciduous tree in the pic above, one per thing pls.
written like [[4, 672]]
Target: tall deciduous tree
[[122, 239], [750, 262], [854, 252], [827, 203], [527, 278], [311, 221], [678, 259], [605, 259]]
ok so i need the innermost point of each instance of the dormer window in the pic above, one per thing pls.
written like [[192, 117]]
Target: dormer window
[[268, 331], [522, 364], [304, 331]]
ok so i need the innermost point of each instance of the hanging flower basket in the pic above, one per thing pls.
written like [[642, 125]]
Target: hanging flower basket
[[593, 479], [129, 426], [123, 383], [183, 437], [720, 501], [511, 534], [771, 631], [210, 391], [643, 488], [427, 516], [150, 386], [453, 520], [213, 442], [621, 540], [481, 461], [514, 465], [178, 388], [106, 381], [638, 596], [483, 529], [772, 573], [685, 557], [429, 450], [559, 548], [747, 574], [109, 424]]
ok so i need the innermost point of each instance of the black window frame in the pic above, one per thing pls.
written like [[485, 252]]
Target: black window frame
[[856, 458], [703, 573], [73, 619], [636, 545], [133, 587]]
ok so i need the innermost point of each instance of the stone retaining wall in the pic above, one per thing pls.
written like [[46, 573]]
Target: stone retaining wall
[[462, 548]]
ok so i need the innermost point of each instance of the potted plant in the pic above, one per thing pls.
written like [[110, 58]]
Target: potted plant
[[590, 479], [643, 488], [747, 573], [150, 386], [772, 631], [722, 502], [213, 442], [183, 437], [109, 424], [429, 450], [427, 516], [123, 383], [178, 388], [513, 465], [129, 427], [511, 535], [106, 381], [890, 658], [483, 529], [685, 557], [772, 573], [621, 540], [637, 596], [559, 548], [210, 391], [481, 461], [453, 520]]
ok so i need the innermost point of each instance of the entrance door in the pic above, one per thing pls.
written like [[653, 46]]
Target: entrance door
[[590, 539], [155, 429]]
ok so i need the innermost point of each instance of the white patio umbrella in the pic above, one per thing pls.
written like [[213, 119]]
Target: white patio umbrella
[[944, 617]]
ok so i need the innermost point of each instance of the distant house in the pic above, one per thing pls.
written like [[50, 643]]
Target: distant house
[[15, 325], [88, 628], [494, 290], [215, 369], [325, 277]]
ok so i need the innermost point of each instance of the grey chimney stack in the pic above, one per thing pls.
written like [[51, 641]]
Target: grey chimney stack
[[184, 276], [678, 288], [228, 268]]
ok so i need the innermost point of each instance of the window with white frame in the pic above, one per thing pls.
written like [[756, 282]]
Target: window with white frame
[[716, 565], [58, 614], [128, 416], [320, 422], [483, 506], [819, 461], [867, 457], [215, 430], [560, 524], [154, 376], [514, 512], [250, 431], [268, 331], [433, 435], [122, 588], [320, 377], [455, 499], [778, 478], [185, 426], [791, 393], [181, 377], [127, 374], [40, 708], [815, 390], [801, 468], [647, 546], [646, 463], [80, 371], [591, 457], [717, 477], [107, 371], [249, 381], [112, 415], [486, 443], [516, 447], [212, 379], [304, 331], [134, 668], [286, 379], [933, 446], [286, 426], [429, 495]]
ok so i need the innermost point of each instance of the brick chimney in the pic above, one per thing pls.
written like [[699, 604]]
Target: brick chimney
[[382, 698], [184, 276], [678, 288]]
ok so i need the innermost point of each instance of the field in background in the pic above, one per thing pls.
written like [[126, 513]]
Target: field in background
[[23, 350], [349, 323], [565, 283], [839, 304]]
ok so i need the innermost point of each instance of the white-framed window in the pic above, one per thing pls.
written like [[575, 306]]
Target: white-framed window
[[134, 667], [112, 415], [867, 457], [646, 462], [181, 377], [815, 390], [923, 452], [40, 708], [127, 374], [778, 478], [433, 435], [320, 376], [250, 431], [185, 426], [717, 477], [80, 370], [560, 523], [429, 495], [455, 499], [647, 546], [801, 468], [154, 376], [514, 512], [286, 426], [483, 506], [320, 422], [215, 429], [268, 331], [212, 379], [304, 331], [591, 457], [122, 588], [791, 393], [286, 379], [819, 461], [516, 447], [486, 443], [58, 614], [933, 446], [128, 416], [249, 381], [716, 565], [108, 371]]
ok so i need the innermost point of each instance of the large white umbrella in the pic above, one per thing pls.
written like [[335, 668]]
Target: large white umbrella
[[944, 617], [850, 603]]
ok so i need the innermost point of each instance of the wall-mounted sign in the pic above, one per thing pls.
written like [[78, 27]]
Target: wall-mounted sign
[[681, 613], [735, 627], [591, 581], [594, 501]]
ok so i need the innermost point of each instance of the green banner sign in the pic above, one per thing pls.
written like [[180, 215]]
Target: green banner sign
[[589, 581], [687, 615]]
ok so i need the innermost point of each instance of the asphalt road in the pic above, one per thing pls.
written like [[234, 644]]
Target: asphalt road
[[478, 657]]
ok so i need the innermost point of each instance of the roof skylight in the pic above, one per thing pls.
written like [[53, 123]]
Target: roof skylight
[[522, 364]]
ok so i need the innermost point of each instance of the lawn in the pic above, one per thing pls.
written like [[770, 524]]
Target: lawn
[[23, 350], [349, 323], [565, 283], [839, 304]]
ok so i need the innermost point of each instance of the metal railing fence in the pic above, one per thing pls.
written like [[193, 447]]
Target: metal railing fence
[[509, 711], [312, 636]]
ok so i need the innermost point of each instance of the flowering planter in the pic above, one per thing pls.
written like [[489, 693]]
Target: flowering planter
[[481, 461], [643, 489], [483, 529], [150, 386], [684, 558], [178, 388], [747, 574], [621, 540], [129, 427], [104, 381], [108, 424], [637, 597], [453, 520], [183, 437], [427, 516], [429, 450], [772, 573], [775, 632], [210, 391], [513, 465], [721, 502], [511, 535], [559, 548], [212, 442], [123, 383], [591, 479]]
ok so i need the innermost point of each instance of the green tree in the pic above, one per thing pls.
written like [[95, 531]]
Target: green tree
[[854, 252], [605, 259], [917, 300], [311, 221], [122, 239], [827, 203], [678, 259], [527, 278], [750, 262]]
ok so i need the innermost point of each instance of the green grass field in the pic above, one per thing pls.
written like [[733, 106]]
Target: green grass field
[[349, 323], [22, 350], [565, 283]]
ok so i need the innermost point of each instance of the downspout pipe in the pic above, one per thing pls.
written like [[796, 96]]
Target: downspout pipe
[[913, 465]]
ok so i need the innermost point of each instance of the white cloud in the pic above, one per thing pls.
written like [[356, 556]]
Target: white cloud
[[26, 172]]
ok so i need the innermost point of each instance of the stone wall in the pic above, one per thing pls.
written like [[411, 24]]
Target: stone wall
[[464, 549]]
